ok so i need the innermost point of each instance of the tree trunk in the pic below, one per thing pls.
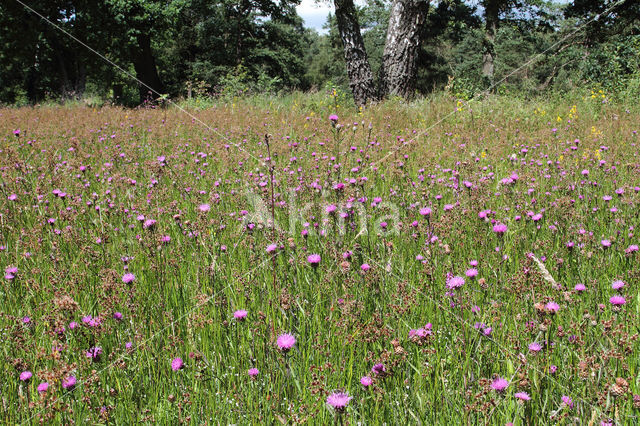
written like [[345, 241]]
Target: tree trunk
[[406, 24], [491, 17], [146, 70], [355, 54]]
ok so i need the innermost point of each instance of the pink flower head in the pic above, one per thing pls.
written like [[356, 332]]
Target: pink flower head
[[567, 401], [617, 300], [552, 307], [366, 381], [94, 353], [204, 208], [314, 259], [580, 287], [535, 347], [253, 372], [69, 382], [499, 384], [500, 228], [333, 118], [285, 342], [455, 282], [149, 224], [378, 369], [271, 248], [128, 278], [338, 400], [365, 267], [523, 396], [471, 273], [12, 197], [42, 387], [25, 376], [617, 285], [240, 315], [177, 364], [425, 211]]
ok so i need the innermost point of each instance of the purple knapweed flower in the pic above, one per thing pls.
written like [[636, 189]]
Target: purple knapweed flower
[[455, 282], [285, 342], [522, 396], [128, 278], [338, 401], [425, 211], [471, 272], [149, 224], [378, 369], [253, 372], [69, 382], [240, 315], [42, 387], [567, 401], [25, 376], [552, 307], [94, 353], [500, 228], [617, 285], [271, 248], [177, 364], [499, 384], [535, 347], [617, 300], [366, 381], [314, 259]]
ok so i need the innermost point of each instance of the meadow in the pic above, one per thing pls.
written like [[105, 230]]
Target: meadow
[[295, 260]]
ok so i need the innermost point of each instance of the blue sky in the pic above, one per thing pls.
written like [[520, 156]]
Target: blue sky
[[315, 13]]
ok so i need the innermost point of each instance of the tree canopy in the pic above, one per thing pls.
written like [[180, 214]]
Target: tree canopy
[[186, 48]]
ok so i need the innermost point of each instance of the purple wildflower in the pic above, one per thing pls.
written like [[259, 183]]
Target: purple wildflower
[[69, 382], [177, 364], [338, 400], [314, 259], [285, 342], [499, 384], [455, 282], [240, 315], [617, 300]]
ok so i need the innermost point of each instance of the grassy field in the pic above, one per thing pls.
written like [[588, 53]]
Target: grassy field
[[437, 262]]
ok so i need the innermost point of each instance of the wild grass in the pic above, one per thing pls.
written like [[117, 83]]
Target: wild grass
[[79, 185]]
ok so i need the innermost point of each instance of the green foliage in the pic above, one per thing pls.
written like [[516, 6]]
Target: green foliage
[[237, 47]]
